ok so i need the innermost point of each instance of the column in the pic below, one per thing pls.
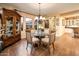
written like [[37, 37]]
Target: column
[[23, 22]]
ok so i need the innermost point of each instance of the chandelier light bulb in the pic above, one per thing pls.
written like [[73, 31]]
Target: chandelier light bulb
[[43, 18], [36, 17], [40, 17]]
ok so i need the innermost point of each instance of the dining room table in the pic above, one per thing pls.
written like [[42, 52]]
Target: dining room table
[[39, 34]]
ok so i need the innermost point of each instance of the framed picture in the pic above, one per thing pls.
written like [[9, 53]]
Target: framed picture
[[46, 23]]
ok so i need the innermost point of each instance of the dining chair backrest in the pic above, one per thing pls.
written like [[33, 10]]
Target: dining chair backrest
[[46, 39], [52, 38], [32, 33], [46, 31], [29, 39], [29, 43], [34, 39]]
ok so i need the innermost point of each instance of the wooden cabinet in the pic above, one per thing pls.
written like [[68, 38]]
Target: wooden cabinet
[[11, 24], [76, 32]]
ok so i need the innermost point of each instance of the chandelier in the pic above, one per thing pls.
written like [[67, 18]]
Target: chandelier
[[39, 18]]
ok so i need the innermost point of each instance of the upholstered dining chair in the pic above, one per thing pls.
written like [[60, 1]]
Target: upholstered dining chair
[[34, 39], [46, 31], [29, 43], [51, 44], [48, 42], [46, 39]]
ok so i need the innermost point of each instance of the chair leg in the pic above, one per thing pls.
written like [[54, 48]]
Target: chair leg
[[51, 50], [32, 50], [29, 50]]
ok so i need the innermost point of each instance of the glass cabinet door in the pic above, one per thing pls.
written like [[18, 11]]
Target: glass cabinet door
[[17, 26], [0, 22], [9, 26]]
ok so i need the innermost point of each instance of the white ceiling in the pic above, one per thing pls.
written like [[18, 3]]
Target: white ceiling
[[46, 8]]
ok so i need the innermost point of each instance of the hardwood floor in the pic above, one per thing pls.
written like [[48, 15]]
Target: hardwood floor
[[16, 49], [64, 46], [19, 49], [67, 46]]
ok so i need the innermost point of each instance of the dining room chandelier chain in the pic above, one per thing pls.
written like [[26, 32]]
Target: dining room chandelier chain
[[39, 9]]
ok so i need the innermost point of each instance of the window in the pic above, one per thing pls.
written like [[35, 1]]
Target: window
[[28, 23]]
